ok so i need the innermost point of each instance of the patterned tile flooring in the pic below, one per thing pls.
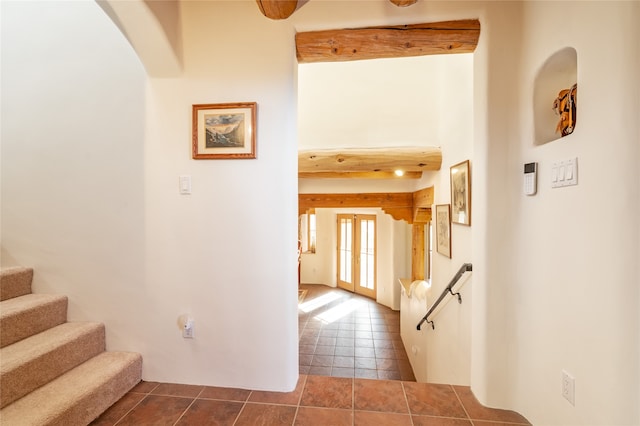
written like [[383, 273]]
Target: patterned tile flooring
[[316, 401], [346, 335], [346, 341]]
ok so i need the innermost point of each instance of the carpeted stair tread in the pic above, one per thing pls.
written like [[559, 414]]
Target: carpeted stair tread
[[34, 361], [80, 395], [15, 282], [24, 316]]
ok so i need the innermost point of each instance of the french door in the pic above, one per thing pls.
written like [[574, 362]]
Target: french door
[[357, 253]]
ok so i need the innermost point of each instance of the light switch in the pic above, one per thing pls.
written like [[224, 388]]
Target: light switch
[[569, 174], [564, 173], [185, 184], [572, 172]]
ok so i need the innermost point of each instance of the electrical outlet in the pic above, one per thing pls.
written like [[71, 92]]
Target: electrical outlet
[[187, 330], [569, 387]]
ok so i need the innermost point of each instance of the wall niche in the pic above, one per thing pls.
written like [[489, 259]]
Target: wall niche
[[559, 71]]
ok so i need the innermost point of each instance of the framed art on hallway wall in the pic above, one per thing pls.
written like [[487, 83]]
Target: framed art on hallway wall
[[224, 131], [443, 229], [461, 193]]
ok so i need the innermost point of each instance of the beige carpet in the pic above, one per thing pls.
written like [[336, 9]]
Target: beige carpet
[[54, 372]]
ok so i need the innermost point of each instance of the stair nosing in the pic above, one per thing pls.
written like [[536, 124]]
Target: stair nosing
[[28, 302], [40, 344]]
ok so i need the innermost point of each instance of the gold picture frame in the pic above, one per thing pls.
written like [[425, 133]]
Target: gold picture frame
[[443, 229], [224, 131], [461, 193]]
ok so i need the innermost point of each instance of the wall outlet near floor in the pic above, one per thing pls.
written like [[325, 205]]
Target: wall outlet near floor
[[569, 387], [187, 329]]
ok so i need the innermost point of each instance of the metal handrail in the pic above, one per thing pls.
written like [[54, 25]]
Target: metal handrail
[[464, 268]]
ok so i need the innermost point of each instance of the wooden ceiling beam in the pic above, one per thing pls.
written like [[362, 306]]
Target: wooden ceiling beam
[[388, 42], [370, 160], [423, 198], [358, 175], [277, 9], [403, 3], [379, 199], [400, 205]]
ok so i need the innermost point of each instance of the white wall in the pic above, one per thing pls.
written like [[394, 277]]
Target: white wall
[[572, 286], [380, 102], [448, 346], [226, 254], [90, 194], [73, 196]]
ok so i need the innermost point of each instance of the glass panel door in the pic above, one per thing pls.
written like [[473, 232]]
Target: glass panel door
[[366, 280], [357, 253], [345, 252]]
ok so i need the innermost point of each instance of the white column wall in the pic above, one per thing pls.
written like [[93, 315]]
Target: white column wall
[[573, 281], [227, 253]]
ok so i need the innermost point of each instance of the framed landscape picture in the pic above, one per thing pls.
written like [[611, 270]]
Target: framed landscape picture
[[461, 193], [224, 131], [443, 229]]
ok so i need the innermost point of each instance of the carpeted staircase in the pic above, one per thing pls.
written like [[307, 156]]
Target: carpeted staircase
[[54, 372]]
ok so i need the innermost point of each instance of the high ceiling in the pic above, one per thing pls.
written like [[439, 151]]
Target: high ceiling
[[158, 44], [370, 118], [373, 43]]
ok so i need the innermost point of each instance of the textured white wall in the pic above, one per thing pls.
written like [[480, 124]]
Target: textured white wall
[[73, 195], [91, 154], [573, 284], [227, 253]]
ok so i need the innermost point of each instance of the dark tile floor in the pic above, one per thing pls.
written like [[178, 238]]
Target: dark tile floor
[[347, 335], [317, 400], [345, 342]]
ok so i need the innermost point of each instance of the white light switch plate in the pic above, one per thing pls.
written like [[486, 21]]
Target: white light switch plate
[[185, 184], [564, 173]]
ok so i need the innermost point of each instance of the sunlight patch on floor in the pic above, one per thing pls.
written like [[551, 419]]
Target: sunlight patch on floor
[[318, 302], [340, 311]]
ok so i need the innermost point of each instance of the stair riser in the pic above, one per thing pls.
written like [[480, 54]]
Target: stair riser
[[15, 282], [39, 371], [79, 396], [97, 402], [23, 324]]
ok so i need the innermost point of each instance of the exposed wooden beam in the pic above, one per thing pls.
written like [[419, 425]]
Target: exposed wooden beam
[[377, 199], [368, 160], [358, 175], [403, 3], [400, 205], [277, 9], [397, 204], [423, 198], [388, 42]]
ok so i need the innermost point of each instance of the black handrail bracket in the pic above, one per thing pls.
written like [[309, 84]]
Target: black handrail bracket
[[467, 267]]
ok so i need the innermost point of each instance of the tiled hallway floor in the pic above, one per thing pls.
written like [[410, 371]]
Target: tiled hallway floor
[[346, 341], [346, 335], [317, 401]]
